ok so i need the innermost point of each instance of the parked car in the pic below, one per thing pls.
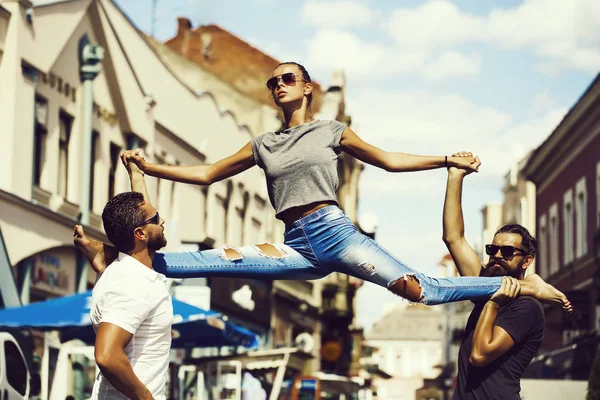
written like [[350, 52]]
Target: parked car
[[16, 380]]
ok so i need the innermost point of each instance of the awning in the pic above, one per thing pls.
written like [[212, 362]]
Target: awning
[[192, 326]]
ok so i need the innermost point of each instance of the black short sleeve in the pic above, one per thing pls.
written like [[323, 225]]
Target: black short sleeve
[[521, 318]]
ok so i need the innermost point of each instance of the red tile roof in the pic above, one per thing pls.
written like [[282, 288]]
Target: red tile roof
[[231, 59]]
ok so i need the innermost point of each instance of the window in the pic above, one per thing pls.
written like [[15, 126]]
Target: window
[[65, 126], [568, 242], [16, 375], [553, 245], [93, 159], [580, 218], [542, 255], [40, 136], [114, 163]]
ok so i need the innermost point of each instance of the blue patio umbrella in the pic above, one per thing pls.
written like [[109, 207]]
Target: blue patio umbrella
[[192, 326]]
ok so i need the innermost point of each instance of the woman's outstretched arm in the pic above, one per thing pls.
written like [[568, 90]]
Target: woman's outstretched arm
[[399, 162], [198, 174]]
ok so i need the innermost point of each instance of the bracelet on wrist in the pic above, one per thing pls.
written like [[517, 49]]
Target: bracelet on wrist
[[445, 161]]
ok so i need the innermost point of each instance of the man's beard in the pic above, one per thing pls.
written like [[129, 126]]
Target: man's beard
[[499, 268], [157, 242]]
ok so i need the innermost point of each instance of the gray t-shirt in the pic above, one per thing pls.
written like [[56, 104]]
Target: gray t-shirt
[[300, 163]]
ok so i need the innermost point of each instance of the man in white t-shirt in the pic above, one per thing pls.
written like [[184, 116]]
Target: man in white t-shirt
[[131, 307]]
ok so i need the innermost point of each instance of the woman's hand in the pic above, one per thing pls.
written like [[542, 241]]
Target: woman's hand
[[464, 163]]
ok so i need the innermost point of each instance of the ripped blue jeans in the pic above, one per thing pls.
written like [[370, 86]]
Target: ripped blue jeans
[[315, 246]]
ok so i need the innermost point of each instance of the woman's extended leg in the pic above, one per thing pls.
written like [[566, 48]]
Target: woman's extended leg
[[262, 261], [338, 245]]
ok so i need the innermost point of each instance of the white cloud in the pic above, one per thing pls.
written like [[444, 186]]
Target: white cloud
[[541, 103], [436, 124], [338, 13], [407, 119], [563, 34], [453, 64], [334, 49], [434, 24]]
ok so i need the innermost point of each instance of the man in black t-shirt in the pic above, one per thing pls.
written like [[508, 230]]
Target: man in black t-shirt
[[505, 332]]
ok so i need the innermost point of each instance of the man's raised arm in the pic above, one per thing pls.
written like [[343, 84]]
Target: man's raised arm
[[136, 175], [99, 254], [466, 260]]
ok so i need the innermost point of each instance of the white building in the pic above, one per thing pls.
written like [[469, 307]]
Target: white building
[[518, 206], [409, 343], [137, 101]]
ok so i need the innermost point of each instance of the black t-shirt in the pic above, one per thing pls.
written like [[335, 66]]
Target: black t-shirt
[[523, 320]]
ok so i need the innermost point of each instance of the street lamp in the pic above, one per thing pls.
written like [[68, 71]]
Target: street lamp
[[90, 59], [90, 65]]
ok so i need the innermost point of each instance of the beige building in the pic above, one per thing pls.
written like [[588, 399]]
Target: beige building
[[409, 343], [137, 101], [177, 113], [518, 206]]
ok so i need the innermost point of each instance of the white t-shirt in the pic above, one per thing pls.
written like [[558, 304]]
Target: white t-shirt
[[135, 298]]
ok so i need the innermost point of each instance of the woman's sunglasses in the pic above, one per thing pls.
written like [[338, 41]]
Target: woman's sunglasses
[[506, 251], [288, 79]]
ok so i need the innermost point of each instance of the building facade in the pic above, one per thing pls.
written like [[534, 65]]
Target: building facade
[[518, 207], [140, 99], [566, 172], [408, 354], [137, 102]]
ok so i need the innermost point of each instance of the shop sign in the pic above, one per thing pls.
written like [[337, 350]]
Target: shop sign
[[48, 275], [60, 85]]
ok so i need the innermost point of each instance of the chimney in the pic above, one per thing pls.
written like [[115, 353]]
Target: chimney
[[183, 25]]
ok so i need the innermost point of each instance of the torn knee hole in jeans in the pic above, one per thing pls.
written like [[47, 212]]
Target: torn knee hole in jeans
[[270, 251], [408, 287], [231, 254]]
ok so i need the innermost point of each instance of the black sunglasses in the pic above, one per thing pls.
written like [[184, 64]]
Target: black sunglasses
[[288, 79], [506, 251], [155, 219]]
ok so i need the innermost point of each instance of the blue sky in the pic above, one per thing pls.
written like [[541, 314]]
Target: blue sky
[[424, 77]]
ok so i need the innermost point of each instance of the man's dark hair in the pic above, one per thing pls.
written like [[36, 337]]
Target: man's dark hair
[[528, 242], [121, 215]]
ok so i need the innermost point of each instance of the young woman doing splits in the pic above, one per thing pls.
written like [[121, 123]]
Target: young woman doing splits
[[300, 163]]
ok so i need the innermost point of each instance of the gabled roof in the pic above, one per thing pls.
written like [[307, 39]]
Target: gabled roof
[[231, 59], [62, 25]]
